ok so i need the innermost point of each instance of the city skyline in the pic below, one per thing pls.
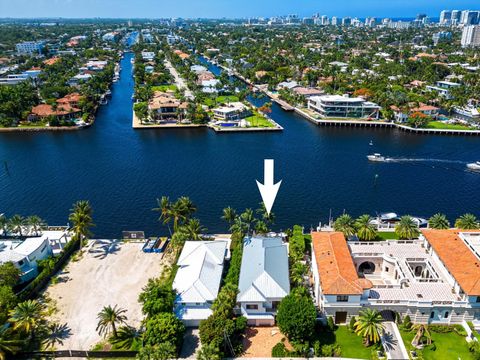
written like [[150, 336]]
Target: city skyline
[[219, 9]]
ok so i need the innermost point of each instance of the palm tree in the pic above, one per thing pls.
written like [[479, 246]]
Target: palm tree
[[165, 210], [298, 273], [35, 223], [3, 224], [345, 224], [81, 217], [261, 227], [229, 215], [126, 337], [269, 218], [239, 226], [406, 228], [365, 230], [248, 218], [422, 331], [8, 345], [187, 206], [28, 316], [16, 224], [194, 229], [439, 222], [467, 222], [108, 319], [369, 326]]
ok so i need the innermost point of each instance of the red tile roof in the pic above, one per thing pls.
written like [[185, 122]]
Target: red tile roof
[[460, 261], [44, 110], [338, 275]]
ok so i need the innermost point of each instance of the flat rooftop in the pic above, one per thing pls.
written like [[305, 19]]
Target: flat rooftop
[[408, 287]]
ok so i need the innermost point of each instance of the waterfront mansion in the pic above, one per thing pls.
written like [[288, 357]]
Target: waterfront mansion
[[336, 106], [433, 279]]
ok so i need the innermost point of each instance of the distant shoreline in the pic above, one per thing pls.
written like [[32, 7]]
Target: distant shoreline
[[43, 129]]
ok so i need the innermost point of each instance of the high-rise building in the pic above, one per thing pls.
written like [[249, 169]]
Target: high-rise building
[[469, 17], [334, 21], [471, 36], [324, 20], [445, 17], [456, 16], [346, 21], [420, 17], [370, 21], [308, 21]]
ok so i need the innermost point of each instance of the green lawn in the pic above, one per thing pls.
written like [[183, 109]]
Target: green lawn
[[352, 344], [257, 120], [443, 125], [227, 98], [164, 88], [448, 346], [387, 235], [219, 100]]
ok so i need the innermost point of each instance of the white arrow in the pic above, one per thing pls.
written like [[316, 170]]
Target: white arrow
[[268, 190]]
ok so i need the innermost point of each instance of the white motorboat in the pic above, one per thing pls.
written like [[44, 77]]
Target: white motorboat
[[376, 157], [469, 111], [474, 166]]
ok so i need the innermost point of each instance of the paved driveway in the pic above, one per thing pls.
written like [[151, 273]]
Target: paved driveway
[[191, 344], [393, 343]]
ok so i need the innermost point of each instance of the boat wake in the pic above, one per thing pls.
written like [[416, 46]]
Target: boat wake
[[399, 160]]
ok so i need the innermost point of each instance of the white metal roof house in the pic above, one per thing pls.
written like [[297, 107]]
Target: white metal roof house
[[25, 255], [264, 279], [198, 279]]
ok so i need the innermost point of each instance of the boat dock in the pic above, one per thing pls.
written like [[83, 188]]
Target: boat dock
[[348, 122]]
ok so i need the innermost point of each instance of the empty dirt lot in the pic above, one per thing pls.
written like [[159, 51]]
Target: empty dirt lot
[[108, 273]]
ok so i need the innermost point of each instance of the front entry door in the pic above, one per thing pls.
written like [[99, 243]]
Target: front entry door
[[340, 317]]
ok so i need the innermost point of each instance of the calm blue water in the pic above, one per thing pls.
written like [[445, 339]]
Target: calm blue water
[[122, 171]]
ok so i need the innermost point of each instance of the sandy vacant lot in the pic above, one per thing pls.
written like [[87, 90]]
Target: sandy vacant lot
[[108, 273], [259, 341]]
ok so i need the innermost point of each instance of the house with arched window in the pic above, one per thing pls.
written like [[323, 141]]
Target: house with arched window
[[433, 279]]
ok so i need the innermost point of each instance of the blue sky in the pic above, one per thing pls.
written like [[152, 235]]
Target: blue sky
[[226, 8]]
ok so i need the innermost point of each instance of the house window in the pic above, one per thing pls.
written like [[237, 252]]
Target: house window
[[432, 314], [478, 299], [446, 315], [342, 298], [252, 307], [386, 268]]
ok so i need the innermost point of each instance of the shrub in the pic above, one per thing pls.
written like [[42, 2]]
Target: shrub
[[317, 348], [157, 297], [301, 348], [213, 329], [352, 323], [407, 323], [331, 350], [296, 316], [330, 324], [279, 350], [162, 328]]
